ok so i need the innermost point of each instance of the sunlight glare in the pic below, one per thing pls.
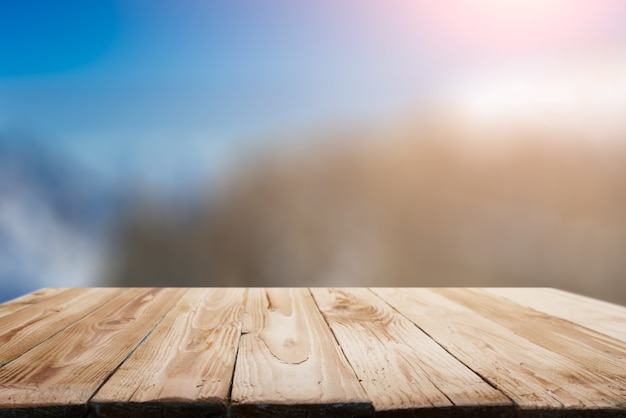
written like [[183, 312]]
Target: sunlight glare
[[582, 100]]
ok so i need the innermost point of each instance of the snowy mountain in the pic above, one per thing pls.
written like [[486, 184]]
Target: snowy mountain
[[54, 218]]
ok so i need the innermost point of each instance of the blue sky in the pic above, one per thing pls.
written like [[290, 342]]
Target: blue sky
[[135, 87], [125, 85]]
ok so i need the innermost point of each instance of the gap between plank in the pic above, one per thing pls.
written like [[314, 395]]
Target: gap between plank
[[241, 334], [89, 312], [116, 368], [493, 385], [339, 345], [426, 374]]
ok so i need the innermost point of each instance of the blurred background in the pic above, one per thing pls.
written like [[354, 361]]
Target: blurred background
[[320, 143]]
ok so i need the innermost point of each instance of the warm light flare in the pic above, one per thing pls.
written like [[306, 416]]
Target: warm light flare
[[576, 99], [509, 25]]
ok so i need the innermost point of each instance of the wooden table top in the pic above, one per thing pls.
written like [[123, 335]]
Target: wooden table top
[[312, 352]]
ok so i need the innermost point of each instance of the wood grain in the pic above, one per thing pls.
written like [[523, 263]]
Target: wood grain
[[593, 353], [14, 305], [35, 323], [289, 363], [62, 373], [400, 367], [533, 376], [597, 315], [186, 366], [440, 352]]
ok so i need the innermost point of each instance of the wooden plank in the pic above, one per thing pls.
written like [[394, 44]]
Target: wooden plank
[[289, 363], [14, 305], [401, 368], [597, 315], [31, 325], [61, 374], [533, 376], [186, 366], [603, 357]]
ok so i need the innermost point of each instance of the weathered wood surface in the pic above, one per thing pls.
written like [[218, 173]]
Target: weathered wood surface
[[35, 297], [34, 324], [64, 371], [603, 317], [311, 352], [288, 356], [514, 357], [186, 365], [400, 367]]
